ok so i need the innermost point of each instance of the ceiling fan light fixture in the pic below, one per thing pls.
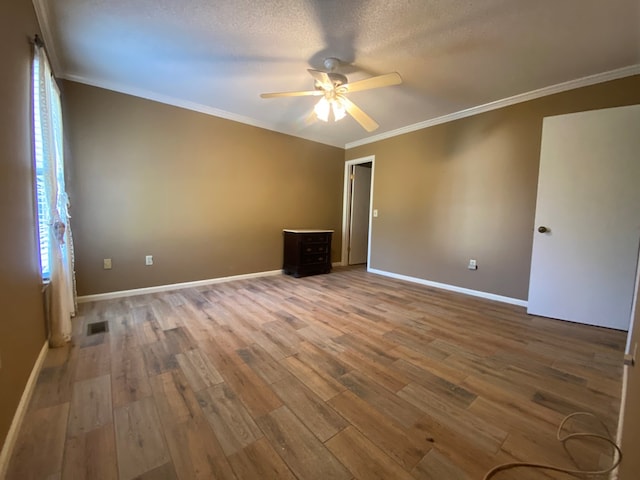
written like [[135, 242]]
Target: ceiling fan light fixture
[[333, 88], [339, 112], [322, 109], [326, 106]]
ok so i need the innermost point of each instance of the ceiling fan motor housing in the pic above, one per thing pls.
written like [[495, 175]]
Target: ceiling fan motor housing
[[336, 78]]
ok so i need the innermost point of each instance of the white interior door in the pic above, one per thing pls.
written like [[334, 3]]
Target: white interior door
[[359, 224], [583, 267], [629, 421]]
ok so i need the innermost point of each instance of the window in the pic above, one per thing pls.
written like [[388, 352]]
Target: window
[[56, 245], [49, 164]]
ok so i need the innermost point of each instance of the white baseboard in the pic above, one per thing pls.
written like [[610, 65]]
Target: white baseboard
[[173, 286], [452, 288], [18, 417]]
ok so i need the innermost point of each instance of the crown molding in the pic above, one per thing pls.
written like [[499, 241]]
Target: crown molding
[[487, 107], [42, 14], [194, 106], [44, 20]]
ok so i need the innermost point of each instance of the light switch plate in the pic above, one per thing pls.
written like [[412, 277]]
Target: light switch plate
[[106, 264]]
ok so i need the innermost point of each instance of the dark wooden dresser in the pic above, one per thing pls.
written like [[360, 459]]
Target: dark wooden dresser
[[307, 252]]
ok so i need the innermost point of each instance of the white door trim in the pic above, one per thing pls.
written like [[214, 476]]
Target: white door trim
[[346, 206]]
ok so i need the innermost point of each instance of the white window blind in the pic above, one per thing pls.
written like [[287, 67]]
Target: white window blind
[[41, 198]]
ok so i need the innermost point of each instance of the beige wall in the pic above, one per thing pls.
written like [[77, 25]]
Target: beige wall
[[207, 197], [467, 189], [22, 332]]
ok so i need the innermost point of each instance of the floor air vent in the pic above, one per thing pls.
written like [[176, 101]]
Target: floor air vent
[[98, 327]]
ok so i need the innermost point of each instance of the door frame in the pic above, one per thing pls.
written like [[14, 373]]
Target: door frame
[[346, 207]]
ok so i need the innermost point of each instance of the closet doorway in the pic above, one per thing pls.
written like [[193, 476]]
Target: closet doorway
[[356, 222]]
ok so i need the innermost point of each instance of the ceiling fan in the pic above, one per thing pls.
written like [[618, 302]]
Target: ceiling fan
[[333, 87]]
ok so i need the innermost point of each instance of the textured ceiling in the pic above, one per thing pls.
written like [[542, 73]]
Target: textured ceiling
[[217, 56]]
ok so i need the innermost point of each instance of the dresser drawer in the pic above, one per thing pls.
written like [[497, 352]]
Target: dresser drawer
[[315, 248], [315, 238], [313, 259]]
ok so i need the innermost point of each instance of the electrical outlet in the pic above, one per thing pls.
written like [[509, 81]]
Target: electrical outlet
[[473, 265], [106, 264], [148, 260]]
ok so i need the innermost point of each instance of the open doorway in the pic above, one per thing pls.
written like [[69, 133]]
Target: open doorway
[[356, 219]]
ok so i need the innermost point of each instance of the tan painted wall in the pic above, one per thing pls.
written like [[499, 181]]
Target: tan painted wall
[[22, 328], [207, 197], [467, 189]]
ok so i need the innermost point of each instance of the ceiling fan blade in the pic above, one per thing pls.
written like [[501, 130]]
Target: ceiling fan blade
[[311, 118], [385, 80], [368, 123], [322, 78], [315, 93]]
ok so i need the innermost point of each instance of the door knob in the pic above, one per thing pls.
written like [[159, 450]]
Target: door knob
[[543, 229]]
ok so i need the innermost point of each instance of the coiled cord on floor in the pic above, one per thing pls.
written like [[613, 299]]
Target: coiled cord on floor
[[563, 439]]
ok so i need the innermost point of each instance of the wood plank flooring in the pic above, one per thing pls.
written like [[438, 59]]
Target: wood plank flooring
[[348, 375]]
